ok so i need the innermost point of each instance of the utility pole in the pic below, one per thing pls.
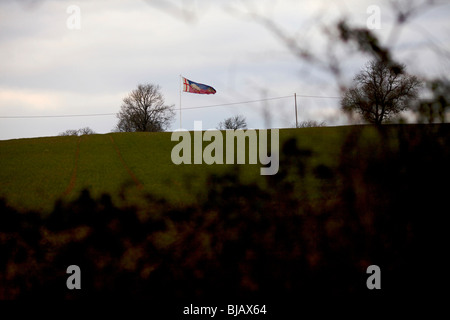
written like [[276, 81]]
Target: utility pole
[[181, 79], [296, 120]]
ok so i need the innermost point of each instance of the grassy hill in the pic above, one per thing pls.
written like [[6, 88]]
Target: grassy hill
[[345, 198], [34, 173]]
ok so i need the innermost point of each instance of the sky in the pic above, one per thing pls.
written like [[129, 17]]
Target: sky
[[69, 64]]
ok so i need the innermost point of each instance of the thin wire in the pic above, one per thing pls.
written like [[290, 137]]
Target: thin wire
[[234, 103], [252, 101], [60, 116], [324, 97], [189, 108]]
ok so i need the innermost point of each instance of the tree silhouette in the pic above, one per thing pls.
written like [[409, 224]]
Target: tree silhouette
[[79, 132], [380, 91], [236, 122], [144, 110]]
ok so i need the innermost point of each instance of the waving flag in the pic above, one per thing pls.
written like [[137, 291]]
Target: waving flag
[[194, 87]]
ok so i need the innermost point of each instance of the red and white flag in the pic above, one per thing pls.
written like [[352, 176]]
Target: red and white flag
[[194, 87]]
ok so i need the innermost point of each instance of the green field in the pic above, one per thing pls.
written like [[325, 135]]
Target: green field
[[344, 198], [35, 173]]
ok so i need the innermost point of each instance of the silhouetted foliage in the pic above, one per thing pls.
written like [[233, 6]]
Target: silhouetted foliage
[[367, 42], [435, 108]]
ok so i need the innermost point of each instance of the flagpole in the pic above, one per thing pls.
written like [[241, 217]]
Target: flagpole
[[296, 120], [180, 100]]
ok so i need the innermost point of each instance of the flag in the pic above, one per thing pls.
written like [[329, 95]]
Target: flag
[[194, 87]]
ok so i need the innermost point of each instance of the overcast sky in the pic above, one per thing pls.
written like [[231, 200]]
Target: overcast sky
[[50, 67]]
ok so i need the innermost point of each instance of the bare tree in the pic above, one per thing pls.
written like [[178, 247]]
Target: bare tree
[[85, 130], [379, 92], [79, 132], [236, 122], [69, 132], [311, 124], [144, 110]]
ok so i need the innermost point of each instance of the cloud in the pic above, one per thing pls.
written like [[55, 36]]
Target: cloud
[[25, 102], [11, 100]]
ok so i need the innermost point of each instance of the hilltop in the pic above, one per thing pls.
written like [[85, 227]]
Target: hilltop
[[37, 172], [344, 199]]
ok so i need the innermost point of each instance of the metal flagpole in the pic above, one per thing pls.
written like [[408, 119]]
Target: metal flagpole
[[296, 120], [180, 99]]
